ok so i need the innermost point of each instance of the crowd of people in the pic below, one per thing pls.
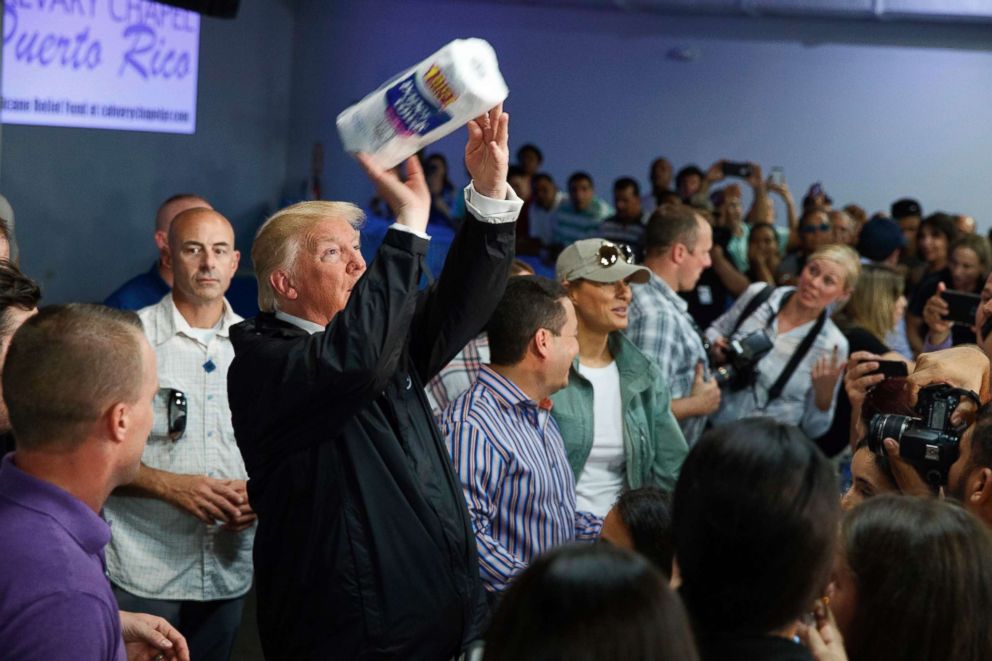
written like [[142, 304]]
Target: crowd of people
[[709, 435]]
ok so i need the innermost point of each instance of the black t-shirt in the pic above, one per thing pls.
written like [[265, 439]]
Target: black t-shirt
[[839, 434], [960, 334]]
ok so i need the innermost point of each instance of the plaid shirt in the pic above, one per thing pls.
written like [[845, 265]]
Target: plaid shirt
[[661, 327], [520, 490], [157, 550], [457, 376]]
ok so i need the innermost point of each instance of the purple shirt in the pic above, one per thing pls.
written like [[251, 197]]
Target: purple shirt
[[55, 599]]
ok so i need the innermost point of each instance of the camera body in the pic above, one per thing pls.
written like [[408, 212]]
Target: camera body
[[930, 442], [742, 359]]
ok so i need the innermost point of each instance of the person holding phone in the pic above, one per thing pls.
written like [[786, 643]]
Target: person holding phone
[[969, 263]]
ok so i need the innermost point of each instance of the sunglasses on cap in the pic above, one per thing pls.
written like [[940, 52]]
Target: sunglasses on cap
[[813, 229], [609, 253]]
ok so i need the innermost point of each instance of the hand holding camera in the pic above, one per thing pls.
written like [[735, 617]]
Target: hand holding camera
[[861, 376], [930, 441], [740, 370]]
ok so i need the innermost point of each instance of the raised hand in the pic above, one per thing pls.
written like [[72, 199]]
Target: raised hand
[[755, 180], [823, 639], [410, 199], [933, 315], [487, 152], [715, 173], [826, 371], [964, 366]]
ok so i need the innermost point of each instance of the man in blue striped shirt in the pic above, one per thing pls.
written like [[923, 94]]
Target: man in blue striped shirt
[[504, 443]]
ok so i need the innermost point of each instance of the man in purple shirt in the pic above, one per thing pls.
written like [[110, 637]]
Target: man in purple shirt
[[78, 382]]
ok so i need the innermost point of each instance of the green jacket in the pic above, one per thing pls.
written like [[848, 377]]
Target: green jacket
[[653, 441]]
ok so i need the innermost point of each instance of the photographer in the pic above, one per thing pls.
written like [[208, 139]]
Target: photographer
[[781, 356], [966, 271]]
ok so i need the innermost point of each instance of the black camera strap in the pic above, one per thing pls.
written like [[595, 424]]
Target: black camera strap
[[797, 356], [751, 306]]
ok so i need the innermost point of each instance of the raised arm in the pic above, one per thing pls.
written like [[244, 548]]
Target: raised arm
[[459, 304]]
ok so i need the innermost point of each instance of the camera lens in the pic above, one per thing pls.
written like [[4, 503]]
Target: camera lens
[[886, 425]]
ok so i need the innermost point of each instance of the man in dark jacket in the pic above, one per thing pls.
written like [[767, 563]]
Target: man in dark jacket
[[364, 548]]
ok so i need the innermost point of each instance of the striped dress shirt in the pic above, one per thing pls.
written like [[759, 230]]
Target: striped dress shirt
[[520, 490]]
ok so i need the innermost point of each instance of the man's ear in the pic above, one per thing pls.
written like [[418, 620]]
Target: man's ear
[[979, 488], [236, 261], [679, 252], [118, 420], [541, 342], [282, 284], [162, 240]]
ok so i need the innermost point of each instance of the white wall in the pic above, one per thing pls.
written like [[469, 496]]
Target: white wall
[[876, 111]]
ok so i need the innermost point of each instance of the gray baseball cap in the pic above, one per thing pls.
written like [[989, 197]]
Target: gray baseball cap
[[599, 260]]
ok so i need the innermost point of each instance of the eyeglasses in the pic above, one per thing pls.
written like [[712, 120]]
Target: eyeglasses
[[610, 252], [813, 229]]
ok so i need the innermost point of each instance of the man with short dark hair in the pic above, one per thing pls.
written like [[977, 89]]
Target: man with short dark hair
[[908, 213], [755, 516], [78, 382], [504, 443], [149, 288], [183, 528], [677, 246], [627, 224], [529, 159], [19, 296], [660, 176], [688, 182], [579, 216]]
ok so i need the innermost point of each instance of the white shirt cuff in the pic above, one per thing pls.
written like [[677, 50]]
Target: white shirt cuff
[[490, 210], [404, 228]]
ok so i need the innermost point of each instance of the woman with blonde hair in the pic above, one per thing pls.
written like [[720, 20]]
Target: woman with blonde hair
[[782, 355], [875, 307]]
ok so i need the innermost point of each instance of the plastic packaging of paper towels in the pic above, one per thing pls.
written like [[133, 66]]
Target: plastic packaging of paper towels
[[424, 103]]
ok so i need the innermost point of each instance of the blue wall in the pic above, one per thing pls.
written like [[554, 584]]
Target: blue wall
[[874, 110]]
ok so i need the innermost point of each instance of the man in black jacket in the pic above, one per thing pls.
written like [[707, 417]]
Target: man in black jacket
[[364, 548]]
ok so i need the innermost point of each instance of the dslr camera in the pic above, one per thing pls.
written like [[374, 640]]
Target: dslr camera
[[742, 360], [929, 442]]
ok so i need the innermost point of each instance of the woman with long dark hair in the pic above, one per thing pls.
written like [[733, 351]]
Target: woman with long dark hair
[[913, 582]]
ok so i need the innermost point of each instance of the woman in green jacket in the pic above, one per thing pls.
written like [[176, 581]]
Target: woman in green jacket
[[615, 415]]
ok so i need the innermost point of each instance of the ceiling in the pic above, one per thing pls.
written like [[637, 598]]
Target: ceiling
[[928, 11]]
